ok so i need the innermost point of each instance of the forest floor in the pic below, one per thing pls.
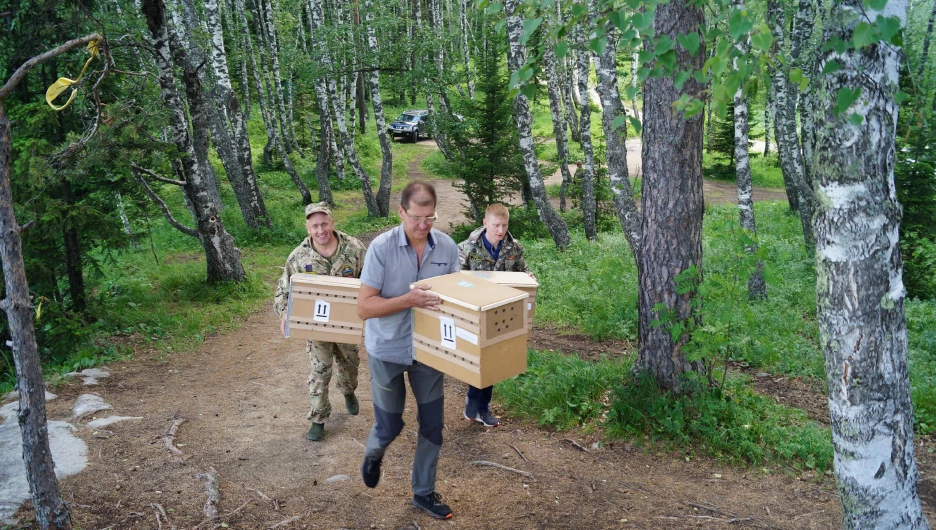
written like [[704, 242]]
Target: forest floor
[[243, 397]]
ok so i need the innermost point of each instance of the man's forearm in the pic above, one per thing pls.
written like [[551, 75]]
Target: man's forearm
[[376, 306]]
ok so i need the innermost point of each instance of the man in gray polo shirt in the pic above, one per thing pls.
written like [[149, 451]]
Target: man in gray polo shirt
[[407, 254]]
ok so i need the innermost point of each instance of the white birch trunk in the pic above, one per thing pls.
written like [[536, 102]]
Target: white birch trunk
[[516, 56], [386, 158], [589, 207], [466, 50], [788, 146], [860, 291], [559, 126], [757, 288], [243, 179], [222, 257], [273, 49], [625, 205]]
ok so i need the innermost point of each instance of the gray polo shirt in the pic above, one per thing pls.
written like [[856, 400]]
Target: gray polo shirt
[[390, 266]]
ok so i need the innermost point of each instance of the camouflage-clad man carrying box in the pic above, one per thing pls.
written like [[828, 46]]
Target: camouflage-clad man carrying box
[[329, 252]]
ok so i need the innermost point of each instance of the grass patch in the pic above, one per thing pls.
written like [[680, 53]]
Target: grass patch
[[738, 424], [562, 391], [765, 172]]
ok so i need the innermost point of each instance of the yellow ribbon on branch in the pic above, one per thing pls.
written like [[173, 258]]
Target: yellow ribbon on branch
[[62, 83]]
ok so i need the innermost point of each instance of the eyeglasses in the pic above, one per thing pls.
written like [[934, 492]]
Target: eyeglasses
[[419, 220]]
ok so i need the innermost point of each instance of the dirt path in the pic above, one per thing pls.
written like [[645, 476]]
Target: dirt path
[[244, 397]]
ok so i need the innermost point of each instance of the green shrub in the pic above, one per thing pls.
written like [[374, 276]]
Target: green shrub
[[735, 423], [561, 390]]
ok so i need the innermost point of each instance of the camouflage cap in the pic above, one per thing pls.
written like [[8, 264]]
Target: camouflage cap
[[317, 207]]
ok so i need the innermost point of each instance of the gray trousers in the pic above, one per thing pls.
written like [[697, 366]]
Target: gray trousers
[[389, 396]]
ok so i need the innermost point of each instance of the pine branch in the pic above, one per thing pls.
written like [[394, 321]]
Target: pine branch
[[21, 72]]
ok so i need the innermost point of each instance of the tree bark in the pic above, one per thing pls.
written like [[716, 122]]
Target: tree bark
[[222, 257], [860, 291], [671, 204], [265, 8], [338, 112], [625, 205], [466, 50], [559, 125], [516, 56], [589, 207], [186, 49], [50, 508], [757, 288], [73, 262], [242, 177], [386, 156], [785, 129]]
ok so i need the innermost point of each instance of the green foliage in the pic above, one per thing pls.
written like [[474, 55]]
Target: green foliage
[[921, 335], [765, 172], [484, 143], [734, 423], [577, 284], [562, 390]]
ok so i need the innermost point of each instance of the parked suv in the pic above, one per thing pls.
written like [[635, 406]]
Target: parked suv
[[412, 124]]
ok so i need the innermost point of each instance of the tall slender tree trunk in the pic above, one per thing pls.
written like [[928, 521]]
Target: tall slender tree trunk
[[568, 89], [50, 508], [347, 140], [757, 288], [265, 8], [240, 173], [516, 56], [222, 257], [386, 156], [788, 146], [625, 205], [589, 207], [466, 50], [268, 109], [184, 20], [671, 204], [559, 126], [74, 266], [860, 291], [924, 54], [768, 108]]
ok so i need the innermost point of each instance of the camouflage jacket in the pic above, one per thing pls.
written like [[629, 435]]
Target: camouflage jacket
[[347, 261], [474, 257]]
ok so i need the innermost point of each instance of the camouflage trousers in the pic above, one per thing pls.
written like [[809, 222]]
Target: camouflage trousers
[[323, 355]]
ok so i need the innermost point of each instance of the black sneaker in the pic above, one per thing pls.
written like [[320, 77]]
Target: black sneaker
[[370, 471], [488, 419], [433, 505]]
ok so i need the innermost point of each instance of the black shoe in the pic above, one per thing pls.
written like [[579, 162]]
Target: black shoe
[[433, 505], [370, 471], [487, 418]]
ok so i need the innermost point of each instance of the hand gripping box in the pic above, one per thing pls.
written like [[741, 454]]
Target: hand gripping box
[[517, 280], [478, 336], [324, 308]]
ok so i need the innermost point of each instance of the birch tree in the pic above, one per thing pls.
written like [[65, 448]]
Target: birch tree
[[757, 288], [615, 132], [859, 287], [338, 112], [785, 129], [671, 202], [559, 124], [588, 183], [242, 177], [222, 257], [386, 156], [516, 56]]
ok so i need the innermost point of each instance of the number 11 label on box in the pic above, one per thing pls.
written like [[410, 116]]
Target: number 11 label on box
[[322, 310], [447, 329]]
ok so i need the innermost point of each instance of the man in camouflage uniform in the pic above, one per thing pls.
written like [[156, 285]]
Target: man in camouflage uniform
[[489, 248], [330, 252]]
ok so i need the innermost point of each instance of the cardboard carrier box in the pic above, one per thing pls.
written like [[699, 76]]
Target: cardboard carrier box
[[324, 308], [479, 336], [517, 280]]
